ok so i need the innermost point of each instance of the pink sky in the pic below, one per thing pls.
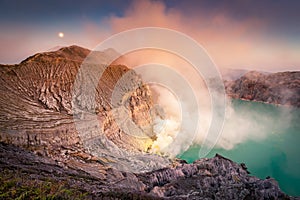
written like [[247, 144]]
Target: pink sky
[[231, 43]]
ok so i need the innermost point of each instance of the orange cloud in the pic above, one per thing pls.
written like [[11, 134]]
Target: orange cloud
[[230, 42]]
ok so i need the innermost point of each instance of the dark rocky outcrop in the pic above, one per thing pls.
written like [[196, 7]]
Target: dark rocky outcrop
[[281, 88], [41, 140], [215, 178]]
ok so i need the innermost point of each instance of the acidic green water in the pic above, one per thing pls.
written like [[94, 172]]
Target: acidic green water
[[277, 155]]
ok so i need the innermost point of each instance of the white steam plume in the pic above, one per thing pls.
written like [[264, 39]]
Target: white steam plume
[[173, 131]]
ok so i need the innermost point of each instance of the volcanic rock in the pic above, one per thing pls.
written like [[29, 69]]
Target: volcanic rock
[[281, 88], [214, 178], [37, 111]]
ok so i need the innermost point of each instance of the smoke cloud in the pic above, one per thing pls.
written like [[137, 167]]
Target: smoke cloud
[[246, 122], [173, 127]]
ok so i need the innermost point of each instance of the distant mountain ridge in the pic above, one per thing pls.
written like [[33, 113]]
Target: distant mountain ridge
[[282, 88]]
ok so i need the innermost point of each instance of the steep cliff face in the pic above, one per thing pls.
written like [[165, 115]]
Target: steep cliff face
[[281, 88], [36, 103]]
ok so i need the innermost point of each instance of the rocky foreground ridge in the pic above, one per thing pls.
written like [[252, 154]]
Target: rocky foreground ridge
[[282, 88], [27, 175], [43, 154]]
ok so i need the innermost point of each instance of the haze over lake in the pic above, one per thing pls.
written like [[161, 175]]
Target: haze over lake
[[275, 155]]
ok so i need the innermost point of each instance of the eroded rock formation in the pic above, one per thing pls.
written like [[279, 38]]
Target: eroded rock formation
[[36, 106]]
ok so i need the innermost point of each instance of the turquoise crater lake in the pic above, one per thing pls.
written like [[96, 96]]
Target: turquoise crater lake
[[275, 155]]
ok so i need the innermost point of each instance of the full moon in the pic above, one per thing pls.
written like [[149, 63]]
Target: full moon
[[61, 34]]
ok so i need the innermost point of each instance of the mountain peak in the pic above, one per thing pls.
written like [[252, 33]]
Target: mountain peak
[[73, 48], [73, 53]]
